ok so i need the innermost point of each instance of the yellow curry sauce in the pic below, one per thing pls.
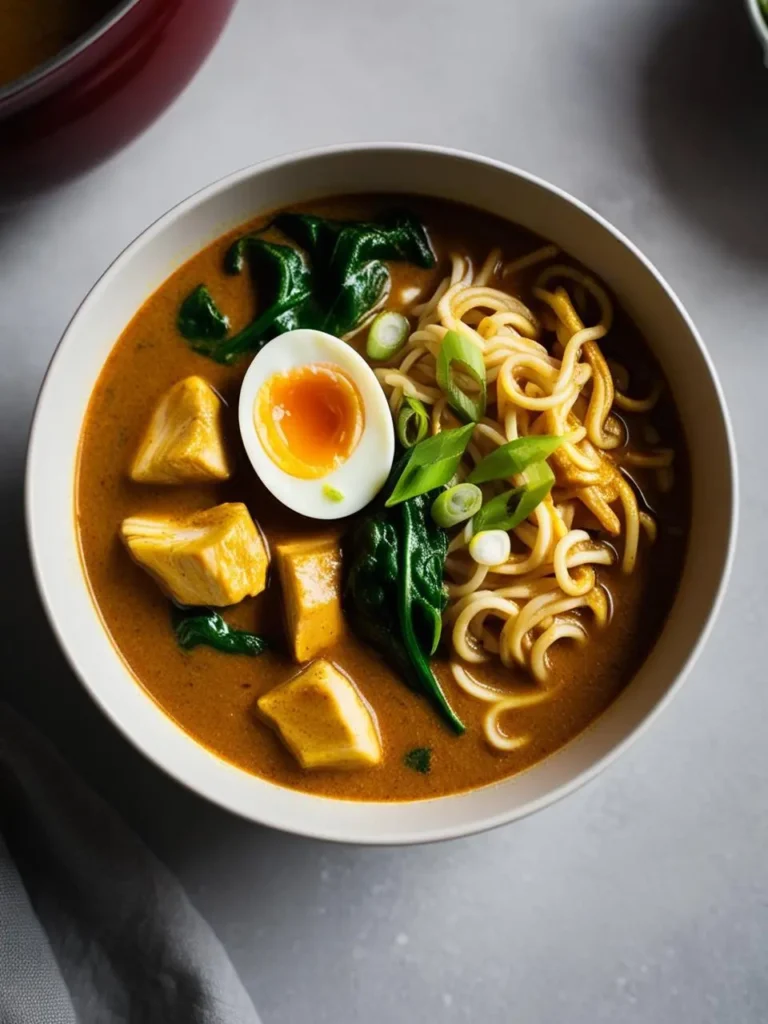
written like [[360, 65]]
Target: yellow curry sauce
[[33, 31], [212, 695]]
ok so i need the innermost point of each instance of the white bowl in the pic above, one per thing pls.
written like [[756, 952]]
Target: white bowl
[[197, 221]]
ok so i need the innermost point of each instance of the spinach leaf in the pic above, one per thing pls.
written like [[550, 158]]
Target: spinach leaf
[[330, 282], [205, 626], [347, 258], [200, 319], [422, 598], [362, 286], [284, 281], [419, 760], [394, 595], [315, 235]]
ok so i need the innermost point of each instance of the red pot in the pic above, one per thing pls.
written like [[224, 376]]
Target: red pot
[[99, 93]]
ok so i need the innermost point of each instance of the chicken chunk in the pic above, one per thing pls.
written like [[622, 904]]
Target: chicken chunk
[[215, 557], [322, 719], [310, 574], [183, 442]]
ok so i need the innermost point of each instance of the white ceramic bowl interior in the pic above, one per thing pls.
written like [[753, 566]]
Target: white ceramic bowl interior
[[383, 168]]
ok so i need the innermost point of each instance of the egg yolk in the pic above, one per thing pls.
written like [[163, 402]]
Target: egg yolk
[[309, 419]]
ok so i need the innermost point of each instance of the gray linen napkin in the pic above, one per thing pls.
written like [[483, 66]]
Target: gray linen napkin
[[93, 929]]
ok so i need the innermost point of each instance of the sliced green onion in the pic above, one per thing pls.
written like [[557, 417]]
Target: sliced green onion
[[508, 510], [465, 356], [387, 335], [456, 505], [431, 464], [331, 493], [412, 422], [490, 547], [514, 457]]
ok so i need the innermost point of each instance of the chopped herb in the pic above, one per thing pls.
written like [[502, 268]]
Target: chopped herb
[[490, 547], [386, 335], [205, 626], [419, 760], [431, 463], [457, 351], [200, 319], [508, 510], [456, 504], [332, 494], [412, 422], [514, 457]]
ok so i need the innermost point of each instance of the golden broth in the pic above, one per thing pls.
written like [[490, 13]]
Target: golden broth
[[212, 696], [33, 31]]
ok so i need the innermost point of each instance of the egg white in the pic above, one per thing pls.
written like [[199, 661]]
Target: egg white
[[365, 472]]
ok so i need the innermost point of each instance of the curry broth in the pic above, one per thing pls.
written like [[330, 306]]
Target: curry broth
[[33, 31], [213, 696]]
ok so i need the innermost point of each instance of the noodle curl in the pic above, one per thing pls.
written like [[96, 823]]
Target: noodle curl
[[546, 374]]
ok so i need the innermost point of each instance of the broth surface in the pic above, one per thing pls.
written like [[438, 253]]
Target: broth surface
[[212, 696], [33, 31]]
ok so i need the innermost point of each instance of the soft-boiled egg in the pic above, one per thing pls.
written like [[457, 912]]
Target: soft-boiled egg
[[316, 424]]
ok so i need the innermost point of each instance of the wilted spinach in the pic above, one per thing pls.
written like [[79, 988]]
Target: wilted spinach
[[205, 626], [394, 595], [347, 258], [330, 282], [200, 320], [419, 760], [282, 274]]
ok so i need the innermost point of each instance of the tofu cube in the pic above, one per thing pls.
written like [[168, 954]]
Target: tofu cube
[[215, 557], [322, 719], [183, 442], [310, 574]]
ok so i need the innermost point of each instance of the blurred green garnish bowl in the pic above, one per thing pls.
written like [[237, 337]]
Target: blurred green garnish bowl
[[758, 13]]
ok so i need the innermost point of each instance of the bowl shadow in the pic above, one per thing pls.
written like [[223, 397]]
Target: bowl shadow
[[702, 109], [257, 887], [38, 682]]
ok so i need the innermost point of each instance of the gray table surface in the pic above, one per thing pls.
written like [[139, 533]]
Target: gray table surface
[[644, 897]]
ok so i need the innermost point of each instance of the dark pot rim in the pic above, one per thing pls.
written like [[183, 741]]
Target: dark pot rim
[[96, 31]]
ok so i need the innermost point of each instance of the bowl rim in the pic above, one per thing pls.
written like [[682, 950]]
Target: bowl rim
[[40, 71], [759, 24], [432, 833]]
